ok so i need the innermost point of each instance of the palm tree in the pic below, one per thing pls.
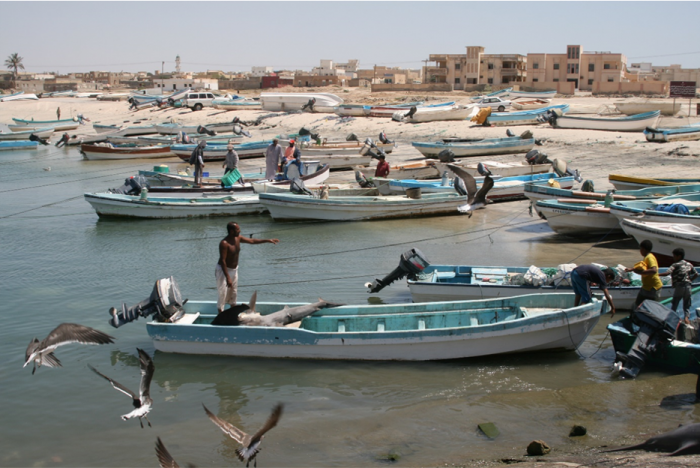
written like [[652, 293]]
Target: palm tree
[[14, 62]]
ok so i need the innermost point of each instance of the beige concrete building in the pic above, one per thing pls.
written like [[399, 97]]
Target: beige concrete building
[[583, 69], [475, 67]]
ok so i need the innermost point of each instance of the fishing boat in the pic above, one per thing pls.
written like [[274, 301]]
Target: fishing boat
[[504, 188], [663, 135], [352, 110], [640, 107], [466, 282], [434, 114], [284, 206], [19, 96], [58, 125], [468, 149], [530, 104], [339, 148], [666, 237], [414, 170], [44, 132], [524, 117], [531, 94], [502, 93], [405, 332], [675, 209], [236, 104], [335, 190], [287, 102], [107, 151], [18, 145], [631, 123], [387, 110], [133, 206], [624, 182], [117, 130], [338, 162], [537, 192], [173, 128], [113, 97], [217, 152], [577, 218]]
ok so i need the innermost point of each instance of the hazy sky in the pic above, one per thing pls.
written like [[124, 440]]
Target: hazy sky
[[234, 36]]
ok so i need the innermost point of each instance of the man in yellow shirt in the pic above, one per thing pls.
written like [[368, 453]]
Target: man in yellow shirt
[[649, 271]]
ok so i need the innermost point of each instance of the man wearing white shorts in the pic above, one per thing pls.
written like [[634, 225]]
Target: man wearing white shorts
[[227, 267]]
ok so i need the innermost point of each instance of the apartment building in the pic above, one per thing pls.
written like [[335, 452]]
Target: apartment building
[[475, 67], [581, 68]]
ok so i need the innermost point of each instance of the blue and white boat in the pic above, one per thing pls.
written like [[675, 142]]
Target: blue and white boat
[[675, 209], [44, 132], [532, 94], [504, 188], [502, 93], [58, 125], [217, 152], [629, 123], [471, 282], [18, 145], [525, 117], [536, 192], [468, 149], [236, 103], [18, 96], [662, 135], [404, 332]]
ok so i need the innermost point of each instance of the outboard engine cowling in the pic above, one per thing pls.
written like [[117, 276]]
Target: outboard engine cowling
[[383, 138], [132, 186], [657, 327], [446, 155], [411, 263], [202, 129], [165, 302]]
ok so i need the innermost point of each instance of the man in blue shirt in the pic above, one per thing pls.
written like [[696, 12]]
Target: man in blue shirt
[[581, 278]]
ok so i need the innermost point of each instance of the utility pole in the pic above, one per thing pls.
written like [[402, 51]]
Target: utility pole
[[162, 70]]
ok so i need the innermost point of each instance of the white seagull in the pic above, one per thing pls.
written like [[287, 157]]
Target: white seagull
[[165, 460], [41, 352], [250, 445], [142, 402], [466, 182]]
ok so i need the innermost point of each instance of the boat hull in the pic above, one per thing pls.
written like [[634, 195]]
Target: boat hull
[[634, 123], [577, 221], [633, 108], [621, 182], [478, 148], [45, 132], [101, 153], [666, 237]]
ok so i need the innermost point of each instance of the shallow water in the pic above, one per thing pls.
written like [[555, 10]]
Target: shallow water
[[63, 264]]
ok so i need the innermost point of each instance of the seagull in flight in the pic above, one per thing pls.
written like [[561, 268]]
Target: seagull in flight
[[142, 402], [250, 445], [41, 352], [165, 460], [465, 184]]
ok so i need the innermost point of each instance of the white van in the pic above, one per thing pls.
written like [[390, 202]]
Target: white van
[[199, 100]]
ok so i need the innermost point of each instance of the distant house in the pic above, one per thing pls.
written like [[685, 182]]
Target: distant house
[[275, 81]]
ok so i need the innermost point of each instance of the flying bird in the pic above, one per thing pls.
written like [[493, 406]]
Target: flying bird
[[165, 460], [142, 402], [250, 445], [465, 184], [41, 352]]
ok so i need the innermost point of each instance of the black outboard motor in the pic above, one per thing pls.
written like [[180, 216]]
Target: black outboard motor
[[202, 129], [352, 137], [657, 327], [412, 262], [550, 116], [132, 186], [446, 156], [535, 157], [297, 187], [383, 138], [33, 137], [165, 302], [304, 132], [371, 149]]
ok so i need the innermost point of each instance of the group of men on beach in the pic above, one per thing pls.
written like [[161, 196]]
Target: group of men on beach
[[681, 271], [276, 159]]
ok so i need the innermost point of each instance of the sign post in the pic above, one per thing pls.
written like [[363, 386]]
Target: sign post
[[683, 89]]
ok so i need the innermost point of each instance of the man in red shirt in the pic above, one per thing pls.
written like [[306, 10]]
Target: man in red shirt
[[382, 167]]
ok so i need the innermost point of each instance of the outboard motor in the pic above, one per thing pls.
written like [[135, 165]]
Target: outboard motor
[[132, 186], [202, 129], [535, 157], [165, 302], [238, 130], [304, 132], [383, 138], [657, 327], [297, 187], [309, 106], [411, 263], [352, 137], [33, 137], [550, 116], [371, 149], [362, 180], [446, 156], [483, 169]]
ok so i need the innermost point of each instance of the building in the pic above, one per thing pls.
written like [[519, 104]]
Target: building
[[276, 81], [583, 69], [475, 67], [261, 71], [173, 84], [304, 80]]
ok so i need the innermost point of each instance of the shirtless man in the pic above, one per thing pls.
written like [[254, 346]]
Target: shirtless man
[[227, 267]]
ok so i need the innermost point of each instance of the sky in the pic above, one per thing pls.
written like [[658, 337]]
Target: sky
[[235, 36]]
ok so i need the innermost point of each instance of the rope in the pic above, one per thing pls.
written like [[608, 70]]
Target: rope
[[42, 206]]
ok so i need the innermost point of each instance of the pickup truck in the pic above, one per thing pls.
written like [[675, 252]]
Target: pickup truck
[[494, 103]]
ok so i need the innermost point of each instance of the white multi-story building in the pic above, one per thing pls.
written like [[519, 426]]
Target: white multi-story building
[[262, 71]]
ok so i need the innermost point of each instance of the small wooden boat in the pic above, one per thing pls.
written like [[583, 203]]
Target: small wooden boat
[[666, 237], [577, 218], [58, 125], [434, 114], [530, 104], [415, 170], [335, 190], [504, 189], [631, 123], [287, 102], [543, 192], [44, 132], [640, 107], [523, 117], [624, 182], [217, 152], [485, 147], [288, 206], [511, 169], [663, 135], [405, 332], [113, 204], [18, 145], [466, 282], [106, 151], [170, 128], [659, 209]]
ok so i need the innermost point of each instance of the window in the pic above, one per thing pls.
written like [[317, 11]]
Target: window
[[490, 80], [590, 82], [490, 66], [456, 80], [610, 80], [458, 66], [535, 66], [556, 66], [535, 80], [591, 67], [606, 66], [555, 80]]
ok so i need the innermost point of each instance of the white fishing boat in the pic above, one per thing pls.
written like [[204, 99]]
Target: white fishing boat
[[531, 94], [58, 125], [502, 169], [415, 170], [44, 132], [113, 204], [625, 182], [577, 218], [683, 209], [666, 237], [664, 135], [339, 148], [338, 161], [433, 114], [529, 104], [288, 102], [20, 96], [485, 147], [352, 110], [107, 151], [648, 105], [133, 130], [632, 123]]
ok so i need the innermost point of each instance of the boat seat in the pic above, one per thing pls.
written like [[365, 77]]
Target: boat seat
[[464, 271], [485, 275], [188, 319], [474, 321], [444, 275], [523, 311]]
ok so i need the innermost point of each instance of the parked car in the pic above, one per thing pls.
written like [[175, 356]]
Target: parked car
[[494, 103], [197, 101]]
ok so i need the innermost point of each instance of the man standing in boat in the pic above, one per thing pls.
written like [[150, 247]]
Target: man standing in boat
[[581, 278], [197, 159], [273, 159], [227, 267]]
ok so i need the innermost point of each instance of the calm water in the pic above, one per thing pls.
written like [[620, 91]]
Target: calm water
[[61, 263]]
